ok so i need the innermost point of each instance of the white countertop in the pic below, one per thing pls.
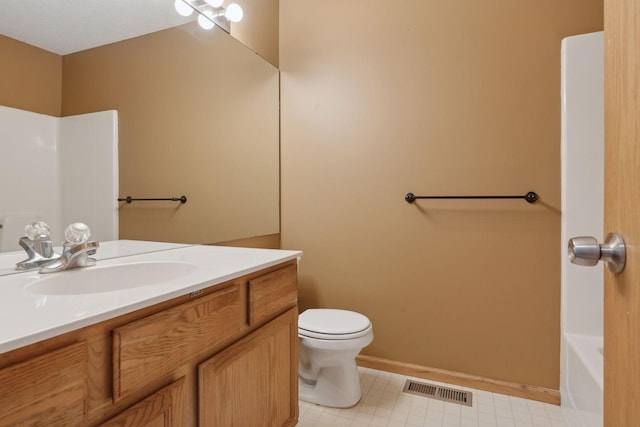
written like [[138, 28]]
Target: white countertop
[[29, 316]]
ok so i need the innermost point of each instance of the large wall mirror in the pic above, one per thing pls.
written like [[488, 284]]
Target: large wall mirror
[[198, 115]]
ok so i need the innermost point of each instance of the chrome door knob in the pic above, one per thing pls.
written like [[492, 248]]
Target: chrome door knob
[[587, 251]]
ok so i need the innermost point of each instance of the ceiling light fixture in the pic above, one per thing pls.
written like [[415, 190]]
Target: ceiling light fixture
[[210, 12]]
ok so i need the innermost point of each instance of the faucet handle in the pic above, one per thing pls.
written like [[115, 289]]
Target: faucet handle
[[37, 244], [38, 230], [76, 233]]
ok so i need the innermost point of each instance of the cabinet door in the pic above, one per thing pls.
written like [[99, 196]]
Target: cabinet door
[[48, 390], [164, 408], [253, 383]]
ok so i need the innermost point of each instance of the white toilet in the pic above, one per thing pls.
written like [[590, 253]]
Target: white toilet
[[330, 340]]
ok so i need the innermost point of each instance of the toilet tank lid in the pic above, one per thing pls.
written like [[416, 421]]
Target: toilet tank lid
[[332, 321]]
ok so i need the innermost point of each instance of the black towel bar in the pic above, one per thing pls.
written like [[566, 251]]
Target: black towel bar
[[530, 197], [130, 199]]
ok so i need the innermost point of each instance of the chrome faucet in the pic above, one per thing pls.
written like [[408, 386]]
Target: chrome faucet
[[38, 246], [73, 255], [75, 250]]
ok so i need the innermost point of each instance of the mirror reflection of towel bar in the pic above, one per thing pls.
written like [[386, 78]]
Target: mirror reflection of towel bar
[[129, 199], [530, 197]]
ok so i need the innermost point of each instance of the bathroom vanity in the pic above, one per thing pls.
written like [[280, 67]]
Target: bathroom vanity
[[215, 345]]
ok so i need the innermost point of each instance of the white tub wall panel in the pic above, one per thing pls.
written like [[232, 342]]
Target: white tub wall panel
[[30, 185], [582, 151], [583, 176], [58, 170], [13, 225], [89, 172]]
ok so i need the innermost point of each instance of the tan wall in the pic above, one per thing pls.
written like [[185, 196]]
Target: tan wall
[[271, 241], [198, 115], [430, 97], [30, 78], [259, 27]]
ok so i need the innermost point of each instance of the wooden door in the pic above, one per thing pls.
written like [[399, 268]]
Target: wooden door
[[253, 383], [622, 212]]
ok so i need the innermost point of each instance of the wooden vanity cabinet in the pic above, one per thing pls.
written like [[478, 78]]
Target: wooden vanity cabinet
[[225, 356]]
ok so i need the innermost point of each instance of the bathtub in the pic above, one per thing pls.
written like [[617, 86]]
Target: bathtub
[[581, 393], [582, 293]]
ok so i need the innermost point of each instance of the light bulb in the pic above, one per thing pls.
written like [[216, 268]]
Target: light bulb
[[214, 3], [233, 13], [182, 8], [205, 23]]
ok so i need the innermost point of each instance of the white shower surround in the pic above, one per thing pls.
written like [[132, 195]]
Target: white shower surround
[[581, 369], [59, 170]]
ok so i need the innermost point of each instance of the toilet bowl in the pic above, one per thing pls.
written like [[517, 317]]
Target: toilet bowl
[[330, 340]]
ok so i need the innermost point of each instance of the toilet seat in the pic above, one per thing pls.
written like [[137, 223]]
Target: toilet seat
[[333, 324]]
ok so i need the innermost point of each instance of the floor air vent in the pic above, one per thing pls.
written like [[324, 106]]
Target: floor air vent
[[437, 392]]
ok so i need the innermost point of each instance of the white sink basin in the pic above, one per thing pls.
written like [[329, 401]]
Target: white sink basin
[[110, 278]]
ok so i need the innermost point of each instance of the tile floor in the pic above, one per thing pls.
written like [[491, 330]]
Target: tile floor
[[384, 404]]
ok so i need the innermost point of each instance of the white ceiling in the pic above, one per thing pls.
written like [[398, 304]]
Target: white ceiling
[[67, 26]]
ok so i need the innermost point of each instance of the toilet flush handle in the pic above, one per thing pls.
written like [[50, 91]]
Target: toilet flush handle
[[587, 251]]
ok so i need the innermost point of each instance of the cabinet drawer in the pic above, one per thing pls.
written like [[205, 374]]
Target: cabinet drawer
[[47, 390], [271, 294], [152, 348]]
